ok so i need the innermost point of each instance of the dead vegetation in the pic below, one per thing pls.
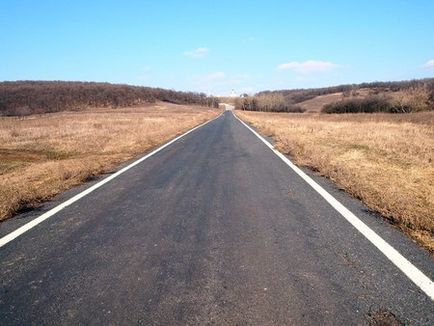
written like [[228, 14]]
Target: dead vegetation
[[317, 103], [268, 102], [412, 99], [20, 98], [385, 160], [42, 155], [393, 97], [383, 317]]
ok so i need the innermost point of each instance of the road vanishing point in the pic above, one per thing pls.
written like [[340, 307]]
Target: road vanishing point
[[213, 228]]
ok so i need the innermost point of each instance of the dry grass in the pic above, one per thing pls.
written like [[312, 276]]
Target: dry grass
[[385, 160], [416, 98], [317, 103], [43, 155]]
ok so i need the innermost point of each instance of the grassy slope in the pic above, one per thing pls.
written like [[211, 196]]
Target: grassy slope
[[42, 155], [402, 96], [318, 102], [385, 160]]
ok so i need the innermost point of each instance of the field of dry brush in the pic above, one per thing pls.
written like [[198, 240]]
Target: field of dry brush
[[386, 160], [42, 155]]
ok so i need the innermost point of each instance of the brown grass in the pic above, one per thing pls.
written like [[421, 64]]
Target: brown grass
[[42, 155], [317, 103], [416, 98], [385, 160]]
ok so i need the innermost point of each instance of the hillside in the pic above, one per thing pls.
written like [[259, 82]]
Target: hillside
[[396, 97], [28, 97]]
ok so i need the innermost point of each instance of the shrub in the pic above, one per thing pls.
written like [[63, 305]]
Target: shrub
[[301, 95], [368, 105], [413, 99]]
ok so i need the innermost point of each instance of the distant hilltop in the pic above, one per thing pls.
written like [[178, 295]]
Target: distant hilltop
[[393, 97], [29, 97]]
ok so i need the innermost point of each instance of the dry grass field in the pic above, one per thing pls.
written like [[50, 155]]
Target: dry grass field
[[42, 155], [386, 160]]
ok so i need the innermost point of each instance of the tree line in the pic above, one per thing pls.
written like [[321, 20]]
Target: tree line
[[29, 97], [393, 97], [301, 95], [267, 102]]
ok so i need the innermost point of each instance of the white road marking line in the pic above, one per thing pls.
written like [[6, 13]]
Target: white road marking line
[[411, 271], [24, 228]]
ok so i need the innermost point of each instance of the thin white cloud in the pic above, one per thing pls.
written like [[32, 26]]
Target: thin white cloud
[[429, 64], [308, 67], [197, 53]]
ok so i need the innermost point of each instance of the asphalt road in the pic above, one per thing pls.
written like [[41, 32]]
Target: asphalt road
[[214, 229]]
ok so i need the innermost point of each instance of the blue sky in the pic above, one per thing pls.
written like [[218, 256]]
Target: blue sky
[[217, 46]]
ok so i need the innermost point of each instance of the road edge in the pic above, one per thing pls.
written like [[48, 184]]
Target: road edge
[[34, 222], [410, 270]]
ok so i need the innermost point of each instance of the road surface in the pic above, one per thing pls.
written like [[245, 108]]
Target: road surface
[[213, 229]]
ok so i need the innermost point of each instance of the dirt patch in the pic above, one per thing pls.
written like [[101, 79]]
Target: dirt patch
[[383, 317]]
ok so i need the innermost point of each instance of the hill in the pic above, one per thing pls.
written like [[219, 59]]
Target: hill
[[29, 97], [400, 96]]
